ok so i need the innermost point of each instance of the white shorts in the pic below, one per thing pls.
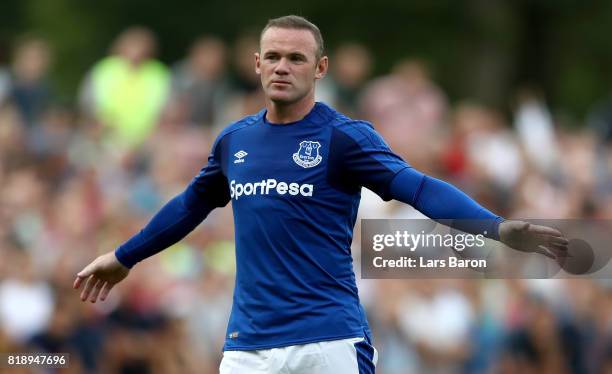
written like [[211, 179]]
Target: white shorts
[[346, 356]]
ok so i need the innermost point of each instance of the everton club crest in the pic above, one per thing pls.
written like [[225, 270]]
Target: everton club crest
[[308, 154]]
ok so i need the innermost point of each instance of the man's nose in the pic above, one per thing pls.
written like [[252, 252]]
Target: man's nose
[[282, 67]]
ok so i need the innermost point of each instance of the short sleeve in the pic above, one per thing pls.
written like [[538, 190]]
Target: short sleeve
[[361, 158]]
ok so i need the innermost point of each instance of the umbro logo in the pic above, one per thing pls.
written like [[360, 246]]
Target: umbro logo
[[240, 155]]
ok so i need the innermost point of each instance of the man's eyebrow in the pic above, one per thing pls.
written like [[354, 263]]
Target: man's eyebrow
[[295, 53]]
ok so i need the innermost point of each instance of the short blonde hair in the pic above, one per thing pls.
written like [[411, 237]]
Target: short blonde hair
[[299, 23]]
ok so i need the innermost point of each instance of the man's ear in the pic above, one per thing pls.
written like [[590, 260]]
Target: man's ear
[[322, 67], [257, 64]]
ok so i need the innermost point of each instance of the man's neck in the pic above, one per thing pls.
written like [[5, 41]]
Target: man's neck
[[288, 113]]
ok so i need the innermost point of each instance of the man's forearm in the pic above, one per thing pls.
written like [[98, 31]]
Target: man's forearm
[[440, 200], [172, 223]]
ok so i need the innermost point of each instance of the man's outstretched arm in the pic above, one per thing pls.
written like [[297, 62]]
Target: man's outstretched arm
[[440, 200], [363, 158], [208, 190], [172, 223]]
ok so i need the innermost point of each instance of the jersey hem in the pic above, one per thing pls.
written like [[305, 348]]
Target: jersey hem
[[359, 334]]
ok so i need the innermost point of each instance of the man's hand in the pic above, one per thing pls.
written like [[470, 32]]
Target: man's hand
[[527, 237], [102, 274]]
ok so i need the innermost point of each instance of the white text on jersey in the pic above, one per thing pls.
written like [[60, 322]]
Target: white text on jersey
[[266, 186]]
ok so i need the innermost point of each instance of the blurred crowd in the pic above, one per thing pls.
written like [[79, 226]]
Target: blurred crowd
[[78, 179]]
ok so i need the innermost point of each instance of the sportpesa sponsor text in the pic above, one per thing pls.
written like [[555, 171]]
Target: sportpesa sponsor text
[[268, 186]]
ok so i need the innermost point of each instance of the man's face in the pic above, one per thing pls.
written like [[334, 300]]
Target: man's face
[[288, 65]]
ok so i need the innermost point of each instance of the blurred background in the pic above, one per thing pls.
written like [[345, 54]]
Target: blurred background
[[108, 109]]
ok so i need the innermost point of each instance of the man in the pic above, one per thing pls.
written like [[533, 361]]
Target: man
[[293, 173]]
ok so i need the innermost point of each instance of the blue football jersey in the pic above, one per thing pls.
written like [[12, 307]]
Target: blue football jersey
[[295, 190]]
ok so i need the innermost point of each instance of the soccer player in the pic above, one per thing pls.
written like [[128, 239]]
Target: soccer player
[[293, 173]]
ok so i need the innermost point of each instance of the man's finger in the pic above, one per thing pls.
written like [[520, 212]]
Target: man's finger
[[545, 251], [87, 271], [544, 230], [88, 286], [556, 251], [105, 290], [559, 250], [77, 282], [557, 240], [96, 290], [82, 275]]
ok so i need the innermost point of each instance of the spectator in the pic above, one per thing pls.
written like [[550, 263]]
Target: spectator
[[348, 74], [247, 96], [30, 89], [535, 129], [127, 90], [26, 300], [200, 81], [408, 110]]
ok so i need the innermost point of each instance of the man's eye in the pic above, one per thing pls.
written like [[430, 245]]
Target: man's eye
[[271, 57]]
